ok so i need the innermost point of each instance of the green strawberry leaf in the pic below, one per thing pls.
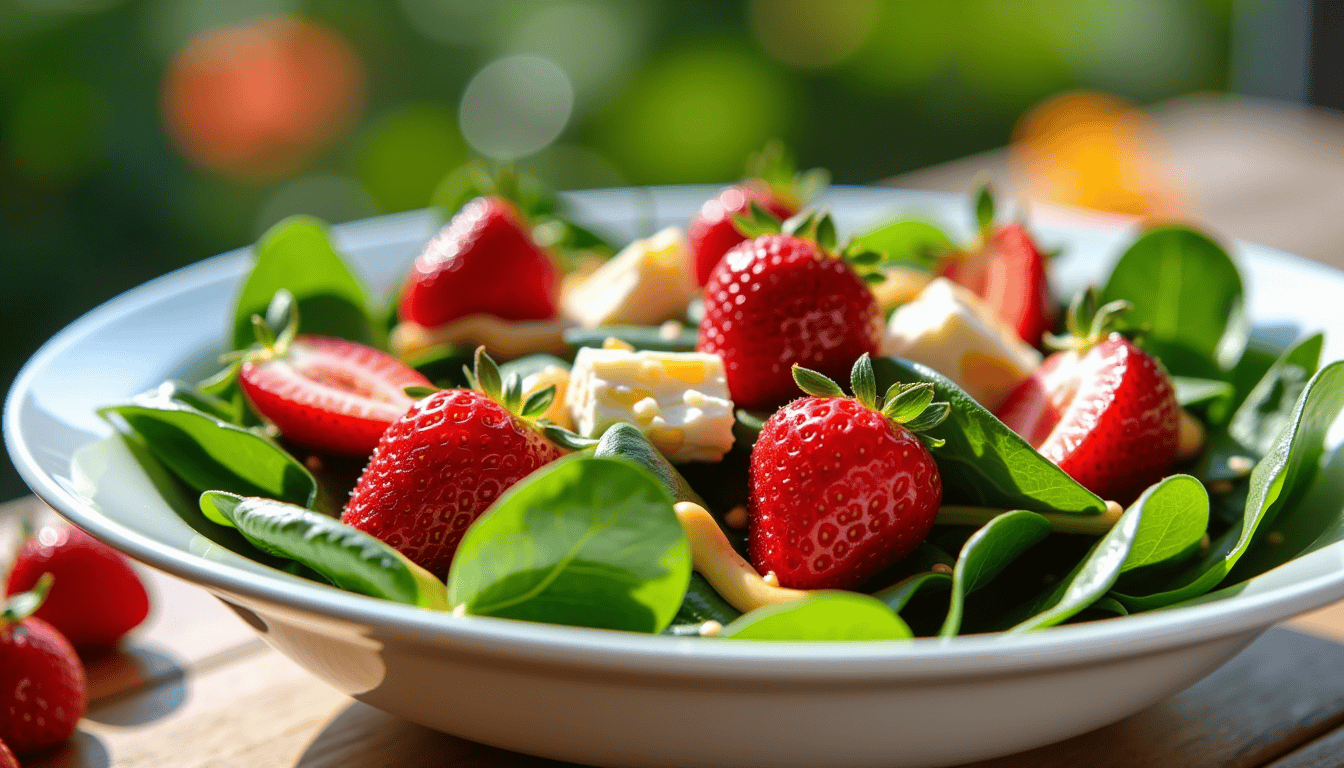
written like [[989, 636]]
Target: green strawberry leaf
[[824, 616], [1166, 523], [584, 541], [1187, 296], [984, 208], [208, 453], [24, 604], [815, 384], [1278, 482], [297, 255], [537, 402], [984, 463], [863, 383], [345, 556], [986, 553]]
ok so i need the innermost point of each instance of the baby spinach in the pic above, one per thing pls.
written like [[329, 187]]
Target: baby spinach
[[1187, 295], [208, 453], [1278, 481], [1192, 392], [1265, 411], [701, 604], [983, 462], [626, 441], [898, 595], [824, 616], [297, 254], [911, 242], [586, 541], [347, 557], [1167, 522], [986, 553], [638, 336]]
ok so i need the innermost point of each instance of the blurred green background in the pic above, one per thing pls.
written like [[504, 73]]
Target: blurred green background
[[138, 136]]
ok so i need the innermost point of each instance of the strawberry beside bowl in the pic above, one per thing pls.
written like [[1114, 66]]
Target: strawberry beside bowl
[[613, 698]]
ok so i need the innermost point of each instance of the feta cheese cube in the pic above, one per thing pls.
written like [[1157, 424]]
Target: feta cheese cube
[[647, 282], [678, 399]]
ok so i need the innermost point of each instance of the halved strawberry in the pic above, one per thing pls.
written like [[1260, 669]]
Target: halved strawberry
[[1102, 409], [483, 262], [1008, 271], [325, 393]]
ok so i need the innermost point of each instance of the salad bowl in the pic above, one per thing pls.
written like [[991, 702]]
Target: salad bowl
[[622, 699]]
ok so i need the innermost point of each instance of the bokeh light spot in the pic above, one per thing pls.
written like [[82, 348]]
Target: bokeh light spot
[[259, 100], [407, 153], [812, 35], [515, 106], [695, 114], [594, 43], [56, 130]]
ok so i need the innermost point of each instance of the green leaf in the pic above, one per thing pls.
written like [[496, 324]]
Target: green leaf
[[208, 453], [984, 463], [24, 604], [747, 425], [863, 258], [815, 384], [538, 401], [908, 402], [898, 595], [825, 616], [637, 336], [986, 553], [1167, 521], [1192, 392], [752, 228], [584, 541], [911, 242], [862, 381], [1265, 411], [487, 375], [701, 604], [984, 208], [1187, 295], [347, 557], [626, 441], [1277, 483], [297, 255], [874, 278], [826, 232]]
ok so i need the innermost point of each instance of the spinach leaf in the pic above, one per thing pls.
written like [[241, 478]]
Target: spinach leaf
[[898, 595], [1278, 482], [988, 551], [1192, 392], [626, 441], [983, 462], [1265, 345], [1167, 521], [297, 254], [1265, 412], [348, 557], [701, 604], [1187, 294], [637, 336], [825, 616], [208, 453], [586, 541], [915, 243]]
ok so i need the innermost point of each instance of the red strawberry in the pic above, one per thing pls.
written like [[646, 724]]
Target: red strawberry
[[712, 232], [326, 393], [97, 597], [842, 487], [780, 300], [7, 758], [443, 463], [1008, 272], [1104, 410], [42, 689], [483, 262]]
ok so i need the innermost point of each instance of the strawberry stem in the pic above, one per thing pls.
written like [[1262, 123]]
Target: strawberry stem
[[1087, 323], [25, 604]]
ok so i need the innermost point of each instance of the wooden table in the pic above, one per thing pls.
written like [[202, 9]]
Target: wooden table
[[196, 687]]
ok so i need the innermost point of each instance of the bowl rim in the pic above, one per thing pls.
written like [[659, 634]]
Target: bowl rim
[[613, 651]]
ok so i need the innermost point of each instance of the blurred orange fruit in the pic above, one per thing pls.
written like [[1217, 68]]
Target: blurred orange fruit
[[1092, 150], [259, 100]]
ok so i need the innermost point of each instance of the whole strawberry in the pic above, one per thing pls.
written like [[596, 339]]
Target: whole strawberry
[[97, 598], [840, 487], [712, 233], [786, 299], [483, 262], [1102, 409], [43, 693], [438, 467]]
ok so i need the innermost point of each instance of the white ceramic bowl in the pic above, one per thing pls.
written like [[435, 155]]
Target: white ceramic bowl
[[617, 699]]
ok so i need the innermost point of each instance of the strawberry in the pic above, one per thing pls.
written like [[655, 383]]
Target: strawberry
[[1102, 409], [43, 693], [1008, 271], [483, 262], [7, 758], [841, 488], [439, 466], [98, 597], [712, 233], [783, 299]]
